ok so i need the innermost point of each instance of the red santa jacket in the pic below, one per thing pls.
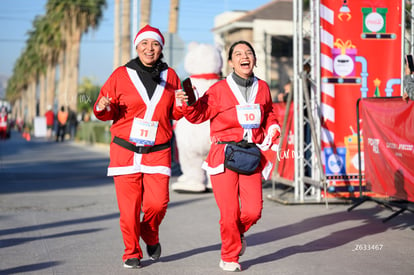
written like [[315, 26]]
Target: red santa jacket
[[129, 99], [50, 117], [218, 105]]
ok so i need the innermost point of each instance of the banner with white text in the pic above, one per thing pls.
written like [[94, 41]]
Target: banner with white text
[[285, 154], [389, 146]]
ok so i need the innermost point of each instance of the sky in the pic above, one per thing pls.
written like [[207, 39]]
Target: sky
[[196, 19]]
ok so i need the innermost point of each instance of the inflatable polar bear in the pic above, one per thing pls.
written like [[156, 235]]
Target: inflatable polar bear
[[203, 63]]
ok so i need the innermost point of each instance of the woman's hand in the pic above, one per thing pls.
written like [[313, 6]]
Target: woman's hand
[[181, 97], [104, 102], [274, 133], [271, 138]]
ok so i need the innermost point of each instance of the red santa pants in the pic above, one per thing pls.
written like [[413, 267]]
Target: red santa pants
[[239, 198], [148, 192]]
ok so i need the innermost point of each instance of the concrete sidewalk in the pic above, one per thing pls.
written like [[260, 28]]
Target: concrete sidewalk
[[59, 215]]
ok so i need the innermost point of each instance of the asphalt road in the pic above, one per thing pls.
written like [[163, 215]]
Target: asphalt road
[[58, 215]]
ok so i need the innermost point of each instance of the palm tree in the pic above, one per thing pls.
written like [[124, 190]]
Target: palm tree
[[117, 37], [126, 31], [53, 45], [14, 94], [76, 17], [31, 67], [42, 37], [173, 22], [26, 71], [145, 12]]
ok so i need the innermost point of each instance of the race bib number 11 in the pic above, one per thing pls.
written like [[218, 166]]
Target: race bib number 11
[[143, 132]]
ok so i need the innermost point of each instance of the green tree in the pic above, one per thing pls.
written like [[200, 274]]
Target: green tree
[[88, 93]]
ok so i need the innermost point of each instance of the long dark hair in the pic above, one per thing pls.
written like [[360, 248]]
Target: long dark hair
[[241, 42]]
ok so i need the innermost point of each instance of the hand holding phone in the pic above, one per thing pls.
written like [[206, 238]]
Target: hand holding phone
[[189, 91]]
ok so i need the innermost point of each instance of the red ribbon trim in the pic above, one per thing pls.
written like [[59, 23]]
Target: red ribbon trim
[[206, 76]]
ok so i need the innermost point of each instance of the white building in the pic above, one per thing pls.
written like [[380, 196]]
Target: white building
[[269, 29]]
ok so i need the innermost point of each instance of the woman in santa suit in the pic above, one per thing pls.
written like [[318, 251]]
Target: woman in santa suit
[[227, 104], [139, 98]]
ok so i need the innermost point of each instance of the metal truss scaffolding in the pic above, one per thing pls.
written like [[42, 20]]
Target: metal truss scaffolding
[[309, 177]]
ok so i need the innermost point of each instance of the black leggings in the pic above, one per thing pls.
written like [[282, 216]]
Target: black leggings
[[61, 130]]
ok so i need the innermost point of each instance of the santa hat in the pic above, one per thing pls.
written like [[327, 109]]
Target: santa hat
[[149, 32]]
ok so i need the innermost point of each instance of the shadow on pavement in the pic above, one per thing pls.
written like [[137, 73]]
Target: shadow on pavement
[[16, 241], [371, 225], [57, 224], [41, 165], [79, 221], [30, 267]]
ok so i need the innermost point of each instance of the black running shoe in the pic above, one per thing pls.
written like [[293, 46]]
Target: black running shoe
[[154, 251], [132, 263]]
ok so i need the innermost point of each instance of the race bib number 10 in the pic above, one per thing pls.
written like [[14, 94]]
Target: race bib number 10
[[249, 116], [143, 132]]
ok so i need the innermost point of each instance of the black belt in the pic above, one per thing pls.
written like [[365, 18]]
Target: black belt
[[140, 149]]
